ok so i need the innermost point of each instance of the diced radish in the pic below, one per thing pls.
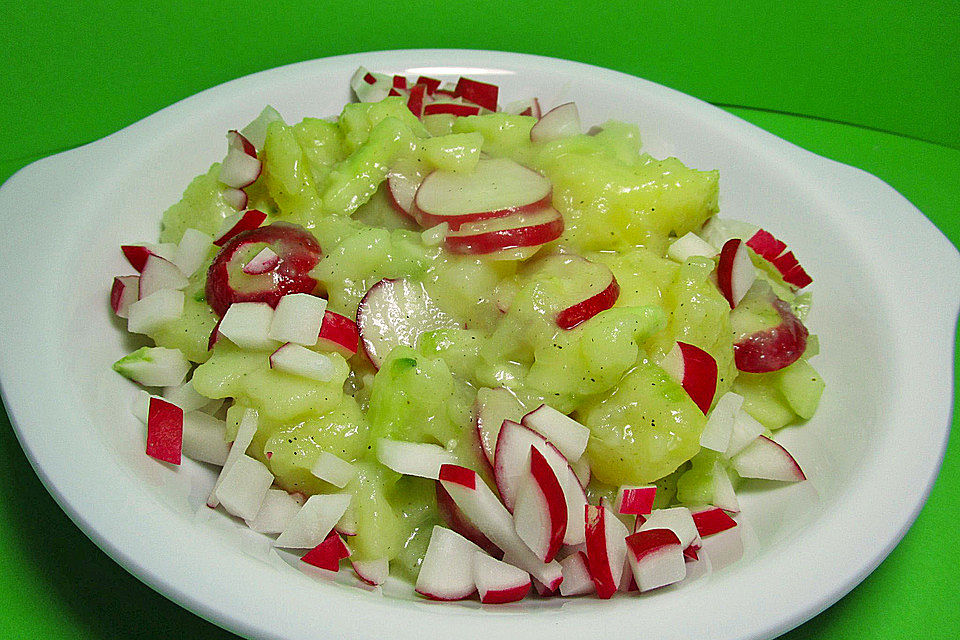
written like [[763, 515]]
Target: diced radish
[[636, 500], [158, 274], [511, 462], [373, 572], [581, 469], [339, 334], [276, 512], [576, 575], [314, 521], [451, 514], [695, 370], [711, 520], [766, 459], [416, 99], [333, 469], [297, 319], [719, 428], [245, 432], [606, 549], [766, 245], [370, 87], [154, 366], [402, 183], [256, 131], [582, 311], [125, 291], [690, 245], [656, 557], [524, 108], [745, 430], [493, 406], [203, 438], [447, 569], [498, 582], [396, 312], [451, 107], [691, 553], [540, 511], [517, 230], [566, 434], [735, 271], [137, 254], [236, 198], [243, 487], [413, 458], [238, 223], [677, 519], [328, 554], [479, 93], [432, 84], [300, 361], [724, 495], [240, 167], [264, 262], [193, 249], [485, 511], [247, 325], [140, 407], [164, 431], [185, 396], [399, 82], [560, 122]]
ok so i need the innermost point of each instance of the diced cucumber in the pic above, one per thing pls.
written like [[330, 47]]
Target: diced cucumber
[[202, 207], [802, 387], [763, 400], [454, 152], [504, 135], [287, 174]]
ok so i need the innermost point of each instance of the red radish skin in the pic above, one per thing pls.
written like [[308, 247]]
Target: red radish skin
[[690, 553], [699, 375], [451, 514], [636, 500], [416, 99], [479, 93], [453, 108], [164, 431], [583, 311], [547, 228], [772, 250], [651, 546], [504, 596], [712, 520], [552, 493], [735, 271], [775, 348], [399, 82], [768, 460], [432, 84], [237, 139], [602, 565], [125, 291], [372, 572], [328, 554], [766, 245], [458, 475], [214, 335], [250, 219], [339, 333], [136, 255]]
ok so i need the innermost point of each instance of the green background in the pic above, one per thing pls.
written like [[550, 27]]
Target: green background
[[871, 84]]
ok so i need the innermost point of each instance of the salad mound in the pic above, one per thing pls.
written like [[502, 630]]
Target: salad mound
[[469, 346]]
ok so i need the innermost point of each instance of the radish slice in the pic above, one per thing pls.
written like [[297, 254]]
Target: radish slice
[[333, 469], [735, 271], [338, 334], [298, 318], [370, 87], [493, 406], [185, 397], [243, 486], [540, 512], [560, 122], [402, 184], [509, 232], [238, 223], [711, 520], [606, 549], [276, 512], [240, 167], [690, 245], [164, 431], [576, 575], [677, 519], [416, 99], [656, 558], [432, 84], [745, 430], [636, 500], [454, 518], [137, 254], [453, 108], [566, 434], [154, 366], [719, 428], [724, 495], [498, 582], [396, 312], [300, 361], [768, 460], [245, 432], [125, 291], [314, 521], [264, 262], [523, 108], [373, 572], [256, 131], [772, 250], [447, 569], [413, 458], [479, 93], [247, 325], [328, 554], [203, 438], [695, 370], [158, 274], [193, 249], [236, 198]]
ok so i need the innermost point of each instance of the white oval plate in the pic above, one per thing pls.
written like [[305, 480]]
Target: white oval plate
[[887, 286]]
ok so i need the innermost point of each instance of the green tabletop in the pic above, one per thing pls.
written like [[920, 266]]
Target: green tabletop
[[871, 84]]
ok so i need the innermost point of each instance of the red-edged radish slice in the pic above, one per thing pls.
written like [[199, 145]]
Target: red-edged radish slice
[[243, 487], [493, 406], [276, 511], [256, 131], [137, 254], [203, 438], [745, 430], [328, 554], [677, 519], [766, 245], [540, 512], [372, 572], [768, 460], [560, 122], [719, 428], [154, 366], [432, 84], [576, 575], [240, 167], [724, 495], [636, 500], [711, 520], [338, 334], [297, 318], [370, 87], [413, 458], [264, 262], [583, 311], [498, 582], [448, 566], [247, 325], [656, 558], [691, 553], [236, 198], [451, 514], [314, 521], [300, 361], [566, 434], [333, 469], [497, 187], [402, 184], [158, 274], [416, 99], [245, 432], [518, 230], [695, 370], [164, 431], [396, 312], [511, 462], [192, 251], [214, 335], [735, 271], [238, 223], [482, 508], [479, 93], [606, 549], [125, 291], [451, 107], [688, 246]]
